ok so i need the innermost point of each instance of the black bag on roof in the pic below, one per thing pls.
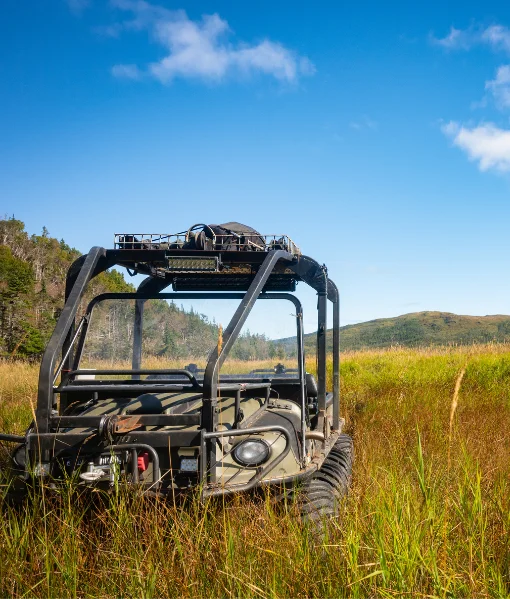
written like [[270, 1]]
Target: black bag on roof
[[228, 236]]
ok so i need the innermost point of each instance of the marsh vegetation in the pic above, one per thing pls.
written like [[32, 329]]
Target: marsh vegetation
[[428, 513]]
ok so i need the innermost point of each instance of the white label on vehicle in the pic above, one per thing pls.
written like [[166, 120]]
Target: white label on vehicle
[[108, 460]]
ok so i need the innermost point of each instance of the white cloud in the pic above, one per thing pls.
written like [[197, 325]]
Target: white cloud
[[497, 36], [456, 39], [201, 49], [500, 86], [486, 144]]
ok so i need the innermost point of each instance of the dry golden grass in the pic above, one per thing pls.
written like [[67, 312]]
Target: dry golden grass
[[413, 525]]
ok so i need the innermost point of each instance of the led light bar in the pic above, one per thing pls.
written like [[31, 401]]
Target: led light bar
[[193, 264], [189, 465]]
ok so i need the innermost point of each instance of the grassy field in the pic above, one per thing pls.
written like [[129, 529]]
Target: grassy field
[[428, 514]]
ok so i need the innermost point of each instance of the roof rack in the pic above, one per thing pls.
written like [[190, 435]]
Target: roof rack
[[251, 242]]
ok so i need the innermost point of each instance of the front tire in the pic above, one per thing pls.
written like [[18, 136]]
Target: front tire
[[321, 495]]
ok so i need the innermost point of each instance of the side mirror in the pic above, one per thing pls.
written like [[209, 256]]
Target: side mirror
[[311, 386]]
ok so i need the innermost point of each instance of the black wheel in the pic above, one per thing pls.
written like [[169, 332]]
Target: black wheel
[[321, 494]]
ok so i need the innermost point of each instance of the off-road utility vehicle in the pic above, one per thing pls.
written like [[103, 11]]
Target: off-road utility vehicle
[[171, 429]]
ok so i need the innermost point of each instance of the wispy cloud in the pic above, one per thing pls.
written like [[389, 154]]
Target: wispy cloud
[[497, 37], [365, 122], [486, 144], [201, 49], [126, 71], [500, 86], [456, 39], [78, 5]]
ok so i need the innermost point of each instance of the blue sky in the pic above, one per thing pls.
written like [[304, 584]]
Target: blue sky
[[376, 135]]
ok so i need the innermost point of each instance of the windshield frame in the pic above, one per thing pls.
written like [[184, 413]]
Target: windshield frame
[[140, 298]]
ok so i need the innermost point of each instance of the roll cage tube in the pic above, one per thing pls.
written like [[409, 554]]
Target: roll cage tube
[[218, 355], [63, 330]]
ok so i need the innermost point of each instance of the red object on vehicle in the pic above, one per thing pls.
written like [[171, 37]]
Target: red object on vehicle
[[143, 461]]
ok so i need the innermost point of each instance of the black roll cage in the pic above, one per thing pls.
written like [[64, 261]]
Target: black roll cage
[[147, 261]]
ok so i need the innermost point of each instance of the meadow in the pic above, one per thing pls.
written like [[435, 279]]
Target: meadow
[[428, 514]]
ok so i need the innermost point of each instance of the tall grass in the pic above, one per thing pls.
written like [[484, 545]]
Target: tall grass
[[428, 513]]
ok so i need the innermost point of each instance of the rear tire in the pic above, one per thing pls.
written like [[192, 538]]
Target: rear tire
[[321, 495]]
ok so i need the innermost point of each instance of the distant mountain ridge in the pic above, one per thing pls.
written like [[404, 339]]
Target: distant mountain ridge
[[421, 329]]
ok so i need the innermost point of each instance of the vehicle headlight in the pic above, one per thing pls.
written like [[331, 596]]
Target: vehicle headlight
[[252, 452]]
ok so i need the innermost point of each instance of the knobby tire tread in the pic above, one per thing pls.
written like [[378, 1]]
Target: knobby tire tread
[[321, 494]]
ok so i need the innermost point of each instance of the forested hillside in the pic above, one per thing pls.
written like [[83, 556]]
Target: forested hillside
[[420, 329], [32, 284], [169, 331]]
